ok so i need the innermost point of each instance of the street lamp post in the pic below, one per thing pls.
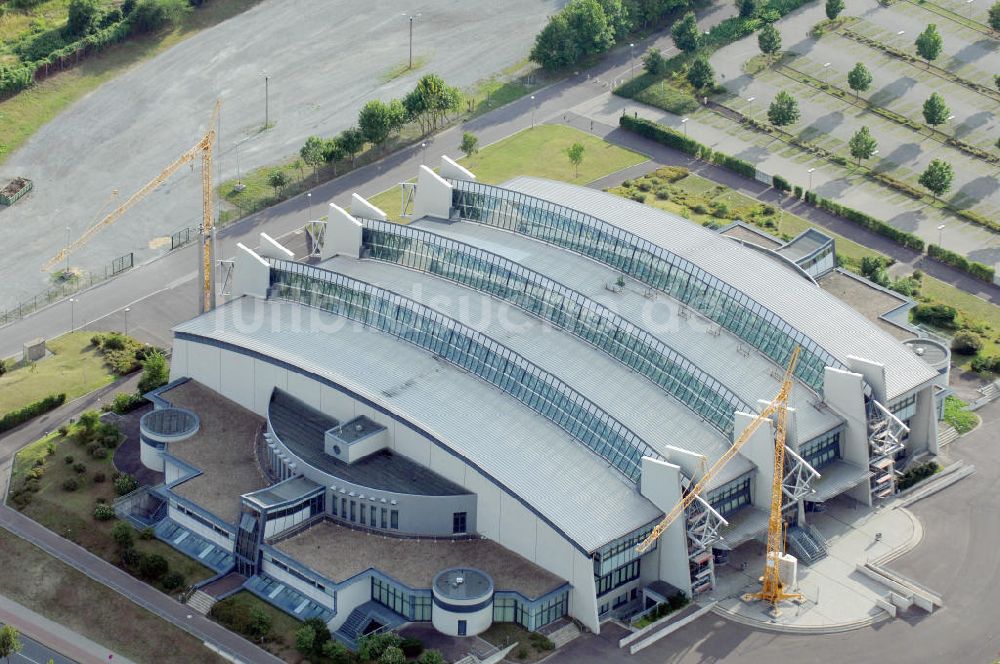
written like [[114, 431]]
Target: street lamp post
[[969, 4], [631, 56], [423, 153], [239, 186], [811, 170], [826, 67], [750, 107], [411, 17], [125, 311], [66, 275], [941, 235], [532, 111], [684, 123], [72, 313], [267, 100], [309, 202]]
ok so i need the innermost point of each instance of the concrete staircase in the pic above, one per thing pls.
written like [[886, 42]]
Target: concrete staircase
[[946, 435], [564, 634], [808, 548], [201, 602], [360, 618]]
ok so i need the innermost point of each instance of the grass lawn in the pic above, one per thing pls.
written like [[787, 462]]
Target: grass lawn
[[975, 312], [75, 367], [280, 641], [696, 198], [540, 151], [70, 513], [60, 593], [24, 113], [955, 414]]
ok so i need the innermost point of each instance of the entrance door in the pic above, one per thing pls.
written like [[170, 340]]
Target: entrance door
[[461, 628]]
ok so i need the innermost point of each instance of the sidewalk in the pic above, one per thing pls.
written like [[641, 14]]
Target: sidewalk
[[55, 636]]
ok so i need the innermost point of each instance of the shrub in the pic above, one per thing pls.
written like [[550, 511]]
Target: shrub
[[781, 183], [541, 642], [434, 657], [663, 194], [522, 653], [126, 402], [871, 223], [70, 484], [123, 534], [915, 474], [22, 415], [392, 655], [68, 459], [338, 653], [638, 196], [940, 315], [797, 192], [966, 343], [986, 365], [125, 483], [172, 581], [36, 473], [956, 415], [147, 534], [100, 453], [976, 269], [63, 430], [660, 134], [151, 15], [79, 468], [99, 477], [305, 637], [720, 210], [644, 186], [699, 209], [130, 557], [155, 372], [153, 566], [104, 512], [372, 646]]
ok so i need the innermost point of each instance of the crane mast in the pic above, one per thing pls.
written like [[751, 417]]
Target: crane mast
[[772, 590], [206, 256]]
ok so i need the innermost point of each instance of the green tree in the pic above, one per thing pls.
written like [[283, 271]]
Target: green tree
[[859, 79], [936, 112], [431, 657], [994, 19], [392, 655], [685, 33], [305, 637], [937, 177], [322, 633], [591, 28], [784, 110], [337, 653], [82, 18], [277, 179], [862, 144], [375, 121], [333, 152], [431, 100], [351, 141], [653, 62], [397, 115], [700, 74], [151, 15], [123, 534], [746, 8], [470, 144], [260, 623], [10, 642], [153, 566], [769, 40], [555, 46], [833, 8], [313, 153], [575, 154], [4, 367], [155, 371], [966, 342], [929, 44], [618, 16]]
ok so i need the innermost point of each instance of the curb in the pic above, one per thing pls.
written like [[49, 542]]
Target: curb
[[790, 629]]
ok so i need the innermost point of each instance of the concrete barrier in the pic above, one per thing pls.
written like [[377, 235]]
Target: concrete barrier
[[886, 606], [670, 629]]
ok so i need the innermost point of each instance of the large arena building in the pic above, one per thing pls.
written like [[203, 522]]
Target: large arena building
[[477, 416]]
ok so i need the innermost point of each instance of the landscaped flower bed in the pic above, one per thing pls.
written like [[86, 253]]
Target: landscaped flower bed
[[14, 190]]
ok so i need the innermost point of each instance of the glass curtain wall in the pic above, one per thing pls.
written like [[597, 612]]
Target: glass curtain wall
[[551, 301], [469, 350], [648, 263]]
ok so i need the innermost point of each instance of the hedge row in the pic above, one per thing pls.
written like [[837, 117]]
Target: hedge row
[[674, 139], [976, 269], [16, 417], [871, 223]]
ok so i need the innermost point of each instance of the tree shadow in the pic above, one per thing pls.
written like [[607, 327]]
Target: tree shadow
[[754, 154], [973, 52], [833, 188], [974, 191], [987, 255], [822, 125], [973, 122], [903, 154], [892, 91], [739, 84], [908, 220]]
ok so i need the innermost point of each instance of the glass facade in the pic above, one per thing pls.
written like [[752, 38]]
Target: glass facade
[[904, 408], [513, 608], [619, 552], [469, 350], [731, 496], [414, 605], [562, 306], [617, 578], [822, 450], [649, 263]]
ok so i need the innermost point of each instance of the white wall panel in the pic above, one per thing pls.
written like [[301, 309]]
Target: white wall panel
[[411, 444], [336, 403], [201, 530], [178, 359], [517, 527], [488, 498], [310, 591], [447, 465], [237, 378], [553, 552], [266, 377], [305, 389], [203, 365]]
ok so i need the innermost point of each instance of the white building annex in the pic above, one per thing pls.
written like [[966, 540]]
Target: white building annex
[[477, 416]]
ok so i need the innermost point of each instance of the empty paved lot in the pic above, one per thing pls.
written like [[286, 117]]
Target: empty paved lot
[[324, 58]]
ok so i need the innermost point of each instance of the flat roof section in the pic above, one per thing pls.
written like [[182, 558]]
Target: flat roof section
[[338, 553], [742, 232], [384, 470], [223, 449], [282, 492], [868, 300]]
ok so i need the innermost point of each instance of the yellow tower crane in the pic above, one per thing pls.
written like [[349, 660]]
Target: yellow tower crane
[[772, 590], [202, 148]]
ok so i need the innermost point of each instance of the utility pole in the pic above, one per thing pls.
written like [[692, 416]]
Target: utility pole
[[267, 104]]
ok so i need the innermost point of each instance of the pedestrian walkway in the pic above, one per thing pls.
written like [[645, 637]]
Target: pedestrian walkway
[[55, 636], [836, 596]]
